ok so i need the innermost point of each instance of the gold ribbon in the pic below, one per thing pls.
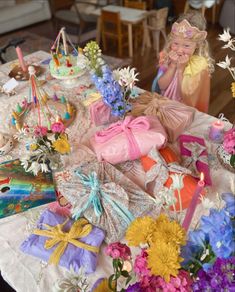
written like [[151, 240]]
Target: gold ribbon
[[92, 98], [80, 228]]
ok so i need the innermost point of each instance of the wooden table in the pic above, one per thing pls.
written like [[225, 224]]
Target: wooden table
[[129, 17]]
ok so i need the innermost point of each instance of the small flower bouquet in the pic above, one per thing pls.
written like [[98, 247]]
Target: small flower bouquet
[[44, 146], [230, 43], [226, 151], [171, 261], [116, 87]]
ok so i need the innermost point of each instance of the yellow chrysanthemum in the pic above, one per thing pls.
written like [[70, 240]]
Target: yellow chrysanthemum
[[233, 89], [140, 231], [162, 218], [103, 286], [164, 260], [170, 232], [61, 145]]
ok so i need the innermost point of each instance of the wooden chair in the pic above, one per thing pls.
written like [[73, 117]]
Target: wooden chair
[[135, 4], [154, 24], [69, 13], [203, 5], [112, 28]]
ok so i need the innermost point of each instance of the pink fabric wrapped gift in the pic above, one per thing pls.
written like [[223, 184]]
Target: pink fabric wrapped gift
[[173, 115], [194, 156], [128, 139], [100, 113]]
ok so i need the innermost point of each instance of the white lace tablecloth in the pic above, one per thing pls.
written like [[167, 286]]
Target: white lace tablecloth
[[26, 273]]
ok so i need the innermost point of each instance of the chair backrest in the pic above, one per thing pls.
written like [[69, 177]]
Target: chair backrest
[[60, 4], [110, 23], [156, 19], [135, 4]]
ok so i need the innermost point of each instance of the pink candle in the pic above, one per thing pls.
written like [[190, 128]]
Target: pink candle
[[216, 131], [193, 204], [21, 59]]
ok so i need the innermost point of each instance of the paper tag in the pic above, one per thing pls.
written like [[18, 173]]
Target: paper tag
[[10, 85]]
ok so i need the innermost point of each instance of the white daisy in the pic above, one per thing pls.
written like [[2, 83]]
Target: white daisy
[[225, 36], [206, 203], [226, 64]]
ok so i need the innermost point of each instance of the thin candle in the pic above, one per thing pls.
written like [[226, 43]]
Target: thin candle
[[64, 42], [193, 204], [21, 59]]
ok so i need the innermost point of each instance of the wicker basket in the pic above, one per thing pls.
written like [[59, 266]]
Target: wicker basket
[[224, 158]]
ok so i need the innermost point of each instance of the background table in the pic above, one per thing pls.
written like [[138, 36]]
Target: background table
[[128, 16], [26, 273]]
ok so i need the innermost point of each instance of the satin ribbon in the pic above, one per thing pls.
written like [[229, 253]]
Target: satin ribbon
[[126, 126], [159, 172], [91, 98], [97, 193], [80, 228], [196, 150]]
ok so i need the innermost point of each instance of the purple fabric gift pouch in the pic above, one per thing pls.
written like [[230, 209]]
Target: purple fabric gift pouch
[[81, 250]]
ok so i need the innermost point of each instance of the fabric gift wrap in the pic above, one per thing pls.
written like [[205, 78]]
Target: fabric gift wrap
[[100, 114], [128, 139], [107, 198], [59, 240], [159, 165], [194, 155], [173, 115]]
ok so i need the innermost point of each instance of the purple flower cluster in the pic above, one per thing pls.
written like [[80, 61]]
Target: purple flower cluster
[[111, 92], [220, 277]]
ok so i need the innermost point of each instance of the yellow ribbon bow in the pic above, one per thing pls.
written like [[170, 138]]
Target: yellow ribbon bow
[[80, 228]]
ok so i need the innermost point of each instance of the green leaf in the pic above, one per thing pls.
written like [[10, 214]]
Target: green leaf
[[125, 274], [111, 284], [232, 160], [128, 279]]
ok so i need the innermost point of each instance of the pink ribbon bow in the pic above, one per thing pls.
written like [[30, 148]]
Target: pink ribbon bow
[[126, 126]]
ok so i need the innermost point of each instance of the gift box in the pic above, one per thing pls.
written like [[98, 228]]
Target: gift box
[[159, 166], [60, 240], [194, 156], [128, 139], [175, 116], [105, 197], [100, 114]]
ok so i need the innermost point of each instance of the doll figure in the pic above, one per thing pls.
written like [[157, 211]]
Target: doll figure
[[185, 64]]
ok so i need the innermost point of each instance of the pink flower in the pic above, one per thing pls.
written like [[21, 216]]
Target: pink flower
[[58, 127], [229, 141], [118, 250], [140, 266], [40, 131]]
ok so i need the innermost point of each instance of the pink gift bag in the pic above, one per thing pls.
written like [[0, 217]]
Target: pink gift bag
[[128, 139], [194, 156], [100, 113]]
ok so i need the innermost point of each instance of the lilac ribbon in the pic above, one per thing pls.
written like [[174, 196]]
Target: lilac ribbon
[[126, 126]]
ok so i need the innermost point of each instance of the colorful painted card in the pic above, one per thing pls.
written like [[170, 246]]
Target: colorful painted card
[[21, 190]]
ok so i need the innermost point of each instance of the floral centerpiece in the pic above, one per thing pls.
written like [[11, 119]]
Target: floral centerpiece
[[169, 260], [117, 87], [230, 43]]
